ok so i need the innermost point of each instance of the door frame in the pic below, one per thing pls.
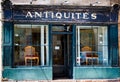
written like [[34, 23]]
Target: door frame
[[73, 49], [61, 67]]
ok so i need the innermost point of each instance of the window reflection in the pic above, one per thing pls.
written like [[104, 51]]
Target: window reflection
[[91, 45], [30, 43]]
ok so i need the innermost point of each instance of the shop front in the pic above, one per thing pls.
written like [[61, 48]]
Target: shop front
[[48, 42]]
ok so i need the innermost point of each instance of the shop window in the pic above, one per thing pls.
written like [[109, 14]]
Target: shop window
[[91, 46], [31, 45]]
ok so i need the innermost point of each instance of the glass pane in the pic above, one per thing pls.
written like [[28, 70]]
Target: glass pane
[[87, 38], [31, 45], [91, 45], [18, 55], [35, 35], [58, 49], [64, 28], [22, 35]]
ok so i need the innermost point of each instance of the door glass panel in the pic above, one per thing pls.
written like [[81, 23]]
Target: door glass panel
[[58, 49], [61, 54]]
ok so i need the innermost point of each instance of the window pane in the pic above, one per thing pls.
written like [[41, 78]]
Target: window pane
[[31, 45], [35, 35], [91, 45], [22, 35], [63, 28]]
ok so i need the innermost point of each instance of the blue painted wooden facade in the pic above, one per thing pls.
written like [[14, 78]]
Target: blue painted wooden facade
[[15, 14]]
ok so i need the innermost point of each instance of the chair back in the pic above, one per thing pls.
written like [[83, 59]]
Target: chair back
[[86, 48], [29, 50]]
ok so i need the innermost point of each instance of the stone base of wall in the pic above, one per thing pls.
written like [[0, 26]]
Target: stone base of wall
[[67, 80]]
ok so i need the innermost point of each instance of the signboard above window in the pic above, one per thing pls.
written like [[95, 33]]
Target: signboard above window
[[59, 14]]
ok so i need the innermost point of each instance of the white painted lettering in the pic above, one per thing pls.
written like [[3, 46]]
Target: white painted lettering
[[72, 15], [66, 15], [86, 15], [93, 16], [52, 14], [78, 15], [29, 15], [38, 14], [59, 15], [46, 14]]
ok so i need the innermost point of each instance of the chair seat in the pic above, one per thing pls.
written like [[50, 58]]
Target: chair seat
[[31, 56]]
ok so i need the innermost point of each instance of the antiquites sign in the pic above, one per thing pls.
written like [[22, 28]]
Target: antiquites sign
[[47, 14], [61, 15]]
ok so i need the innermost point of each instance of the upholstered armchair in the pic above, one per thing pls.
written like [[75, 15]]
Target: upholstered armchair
[[30, 54]]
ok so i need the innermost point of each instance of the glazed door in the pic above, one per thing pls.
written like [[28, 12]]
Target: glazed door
[[61, 54]]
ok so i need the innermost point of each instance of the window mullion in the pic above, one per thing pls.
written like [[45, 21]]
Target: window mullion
[[42, 45], [47, 50]]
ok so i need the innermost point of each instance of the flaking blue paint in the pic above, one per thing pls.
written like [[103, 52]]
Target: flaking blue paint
[[40, 73], [96, 73]]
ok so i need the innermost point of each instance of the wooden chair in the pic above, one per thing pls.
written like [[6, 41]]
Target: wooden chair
[[31, 54]]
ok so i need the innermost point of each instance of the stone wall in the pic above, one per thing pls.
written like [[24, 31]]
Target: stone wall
[[64, 2]]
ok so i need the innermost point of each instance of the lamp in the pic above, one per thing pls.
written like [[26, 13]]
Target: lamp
[[115, 6]]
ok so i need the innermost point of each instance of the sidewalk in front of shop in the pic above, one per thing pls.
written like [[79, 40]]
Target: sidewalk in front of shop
[[68, 80]]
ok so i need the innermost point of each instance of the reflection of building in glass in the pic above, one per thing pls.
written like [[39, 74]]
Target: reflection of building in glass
[[90, 39]]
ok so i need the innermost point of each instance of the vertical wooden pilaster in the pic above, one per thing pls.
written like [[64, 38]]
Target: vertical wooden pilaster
[[0, 41], [119, 35]]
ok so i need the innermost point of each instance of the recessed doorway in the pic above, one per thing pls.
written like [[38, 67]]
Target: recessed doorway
[[61, 52]]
